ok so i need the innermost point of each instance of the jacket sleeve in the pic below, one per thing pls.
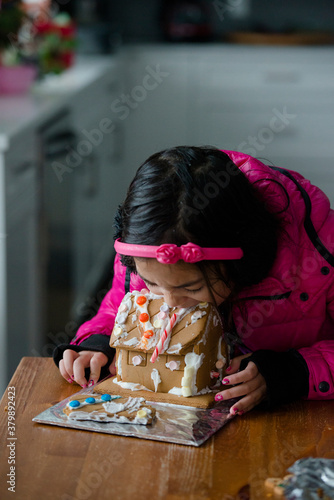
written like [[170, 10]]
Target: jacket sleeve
[[99, 343], [307, 372], [103, 322], [320, 359], [285, 373], [320, 362]]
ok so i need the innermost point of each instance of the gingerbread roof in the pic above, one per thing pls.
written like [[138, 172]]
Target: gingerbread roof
[[132, 333]]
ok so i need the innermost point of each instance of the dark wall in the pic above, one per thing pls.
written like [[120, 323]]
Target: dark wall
[[140, 21]]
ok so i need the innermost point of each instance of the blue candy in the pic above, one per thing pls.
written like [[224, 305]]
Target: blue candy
[[106, 397], [90, 400], [74, 404]]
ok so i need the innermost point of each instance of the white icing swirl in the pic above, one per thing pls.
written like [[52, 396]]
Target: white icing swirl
[[174, 349], [132, 342], [121, 318], [197, 315], [130, 405], [155, 376], [130, 385], [119, 363]]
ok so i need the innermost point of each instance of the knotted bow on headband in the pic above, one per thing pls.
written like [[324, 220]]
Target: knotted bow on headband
[[168, 253]]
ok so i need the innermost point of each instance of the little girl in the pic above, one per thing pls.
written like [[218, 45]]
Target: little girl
[[199, 224]]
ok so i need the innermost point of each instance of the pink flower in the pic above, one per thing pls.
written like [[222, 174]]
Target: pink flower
[[168, 254], [191, 253]]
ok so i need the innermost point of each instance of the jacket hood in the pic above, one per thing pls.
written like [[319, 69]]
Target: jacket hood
[[284, 197]]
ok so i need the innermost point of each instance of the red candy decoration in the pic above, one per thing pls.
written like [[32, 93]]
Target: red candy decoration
[[143, 317], [148, 334], [141, 300]]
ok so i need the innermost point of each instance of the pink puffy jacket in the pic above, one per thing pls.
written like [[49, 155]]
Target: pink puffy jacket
[[294, 306]]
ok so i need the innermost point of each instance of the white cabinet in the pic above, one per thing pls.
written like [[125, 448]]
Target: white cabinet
[[276, 104], [24, 316]]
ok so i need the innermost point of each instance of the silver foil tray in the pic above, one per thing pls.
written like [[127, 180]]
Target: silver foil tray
[[173, 423]]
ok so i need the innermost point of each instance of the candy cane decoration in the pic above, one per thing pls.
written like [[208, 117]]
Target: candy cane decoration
[[164, 339]]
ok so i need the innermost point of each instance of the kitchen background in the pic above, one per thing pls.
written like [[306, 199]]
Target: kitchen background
[[251, 75]]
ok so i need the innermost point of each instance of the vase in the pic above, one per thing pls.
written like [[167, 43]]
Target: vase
[[16, 79]]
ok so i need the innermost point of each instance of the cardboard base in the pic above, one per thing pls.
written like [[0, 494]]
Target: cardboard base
[[109, 387]]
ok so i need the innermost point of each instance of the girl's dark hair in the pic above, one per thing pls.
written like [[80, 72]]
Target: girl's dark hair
[[198, 194]]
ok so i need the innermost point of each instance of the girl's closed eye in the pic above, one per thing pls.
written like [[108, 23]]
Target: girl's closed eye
[[150, 285], [194, 290]]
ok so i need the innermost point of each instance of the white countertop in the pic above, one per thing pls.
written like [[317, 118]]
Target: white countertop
[[46, 97]]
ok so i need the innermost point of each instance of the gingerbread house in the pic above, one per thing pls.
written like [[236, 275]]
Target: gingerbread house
[[167, 350]]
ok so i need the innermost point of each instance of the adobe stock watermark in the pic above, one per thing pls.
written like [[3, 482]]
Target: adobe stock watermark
[[290, 451], [121, 107], [87, 308], [99, 472], [293, 279], [202, 197], [63, 337], [277, 123]]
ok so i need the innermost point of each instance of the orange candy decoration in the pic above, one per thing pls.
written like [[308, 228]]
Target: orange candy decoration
[[143, 317], [141, 300], [148, 334]]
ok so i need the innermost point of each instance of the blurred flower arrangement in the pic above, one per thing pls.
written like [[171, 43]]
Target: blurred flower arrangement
[[55, 43], [34, 32]]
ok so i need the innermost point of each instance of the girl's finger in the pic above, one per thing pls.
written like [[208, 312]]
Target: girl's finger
[[235, 364], [245, 375], [79, 366], [240, 390], [64, 372], [97, 361], [68, 358], [248, 402], [112, 367]]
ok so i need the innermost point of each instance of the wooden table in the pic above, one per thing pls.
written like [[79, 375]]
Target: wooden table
[[67, 464]]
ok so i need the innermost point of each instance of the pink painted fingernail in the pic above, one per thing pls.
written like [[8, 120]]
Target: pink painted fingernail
[[235, 411], [218, 397], [228, 368], [91, 382], [72, 377], [241, 412], [84, 386], [69, 380], [225, 381]]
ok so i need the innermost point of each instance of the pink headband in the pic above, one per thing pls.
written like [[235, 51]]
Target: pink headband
[[170, 254]]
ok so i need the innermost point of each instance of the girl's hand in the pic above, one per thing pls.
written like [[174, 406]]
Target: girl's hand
[[250, 382], [72, 366]]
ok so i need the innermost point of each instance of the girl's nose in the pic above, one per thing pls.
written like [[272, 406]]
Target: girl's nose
[[171, 299]]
